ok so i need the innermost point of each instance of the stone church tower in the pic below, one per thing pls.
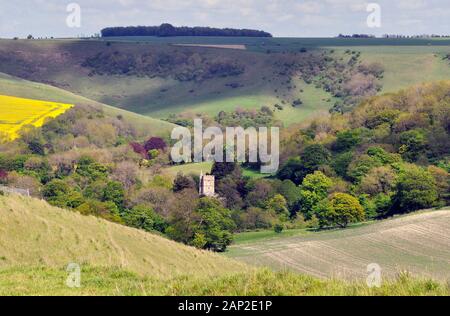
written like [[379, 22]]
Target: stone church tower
[[207, 185]]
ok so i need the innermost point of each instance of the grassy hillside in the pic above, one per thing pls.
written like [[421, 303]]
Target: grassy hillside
[[416, 243], [12, 86], [38, 241], [406, 66], [32, 233]]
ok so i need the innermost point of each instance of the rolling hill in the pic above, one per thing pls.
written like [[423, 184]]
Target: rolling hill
[[164, 78], [37, 242], [33, 233], [16, 87], [416, 243]]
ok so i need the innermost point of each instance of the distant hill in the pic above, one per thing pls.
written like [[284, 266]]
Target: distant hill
[[168, 30]]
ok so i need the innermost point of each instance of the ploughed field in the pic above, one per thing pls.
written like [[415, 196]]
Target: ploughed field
[[419, 244]]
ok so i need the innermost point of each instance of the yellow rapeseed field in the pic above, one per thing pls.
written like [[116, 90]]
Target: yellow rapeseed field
[[17, 112]]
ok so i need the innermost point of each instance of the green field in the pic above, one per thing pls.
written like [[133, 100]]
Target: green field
[[188, 169], [37, 242], [417, 243]]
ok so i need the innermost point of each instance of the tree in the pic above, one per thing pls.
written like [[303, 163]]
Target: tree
[[145, 218], [416, 189], [347, 140], [182, 216], [442, 178], [215, 224], [292, 170], [313, 157], [223, 169], [106, 210], [341, 163], [412, 144], [139, 149], [183, 182], [89, 168], [230, 188], [314, 189], [115, 193], [278, 204], [379, 180], [296, 169], [291, 193], [155, 143], [255, 218], [341, 210], [60, 194]]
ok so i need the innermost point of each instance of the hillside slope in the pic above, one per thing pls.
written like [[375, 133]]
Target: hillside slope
[[417, 243], [38, 241], [16, 87], [32, 233]]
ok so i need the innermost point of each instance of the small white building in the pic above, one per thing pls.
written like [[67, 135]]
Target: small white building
[[207, 185]]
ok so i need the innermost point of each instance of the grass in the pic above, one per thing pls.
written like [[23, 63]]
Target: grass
[[34, 234], [15, 113], [188, 169], [417, 243], [25, 281]]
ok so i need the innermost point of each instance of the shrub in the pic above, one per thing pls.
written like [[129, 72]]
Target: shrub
[[278, 228]]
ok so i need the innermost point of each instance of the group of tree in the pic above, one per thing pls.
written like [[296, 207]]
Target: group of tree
[[389, 156], [166, 30]]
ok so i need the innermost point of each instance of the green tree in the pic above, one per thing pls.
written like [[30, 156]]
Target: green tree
[[215, 224], [107, 210], [59, 193], [89, 168], [278, 204], [145, 218], [412, 144], [296, 169], [115, 193], [347, 140], [314, 189], [416, 189], [341, 210], [291, 193]]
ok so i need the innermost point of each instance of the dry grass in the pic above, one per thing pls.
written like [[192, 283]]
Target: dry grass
[[32, 233]]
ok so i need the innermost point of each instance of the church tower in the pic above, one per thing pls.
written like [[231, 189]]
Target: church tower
[[207, 185]]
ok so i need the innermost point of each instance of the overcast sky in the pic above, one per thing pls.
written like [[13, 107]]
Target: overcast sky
[[283, 18]]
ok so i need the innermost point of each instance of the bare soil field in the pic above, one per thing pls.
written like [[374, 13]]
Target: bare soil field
[[239, 47], [418, 244]]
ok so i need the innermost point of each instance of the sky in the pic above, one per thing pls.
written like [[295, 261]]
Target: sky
[[282, 18]]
